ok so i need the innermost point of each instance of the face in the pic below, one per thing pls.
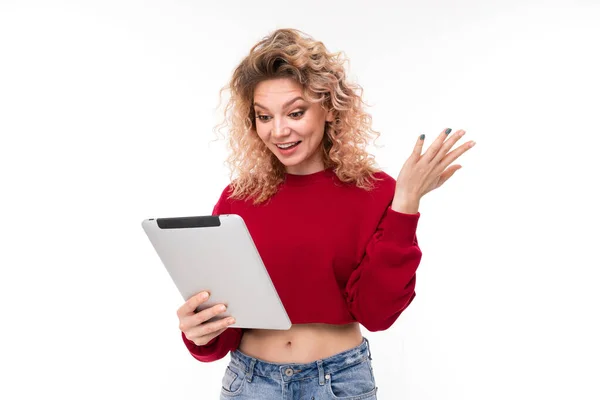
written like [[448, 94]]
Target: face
[[291, 127]]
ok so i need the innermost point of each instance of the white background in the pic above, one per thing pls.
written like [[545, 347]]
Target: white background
[[106, 116]]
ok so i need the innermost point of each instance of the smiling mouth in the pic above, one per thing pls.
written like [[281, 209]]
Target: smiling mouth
[[287, 145]]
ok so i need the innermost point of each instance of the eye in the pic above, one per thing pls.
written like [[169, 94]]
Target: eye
[[259, 117], [301, 113], [265, 118]]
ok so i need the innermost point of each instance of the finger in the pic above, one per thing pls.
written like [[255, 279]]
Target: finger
[[189, 307], [209, 313], [209, 327], [436, 145], [202, 340], [192, 321], [454, 154], [448, 173], [418, 147], [448, 144]]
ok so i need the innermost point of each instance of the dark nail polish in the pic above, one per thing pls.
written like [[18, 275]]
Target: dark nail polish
[[448, 131], [422, 137]]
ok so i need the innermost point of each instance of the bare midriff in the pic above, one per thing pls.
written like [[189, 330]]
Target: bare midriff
[[302, 343]]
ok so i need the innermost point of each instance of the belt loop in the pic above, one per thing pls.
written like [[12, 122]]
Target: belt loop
[[250, 370], [368, 348], [321, 372]]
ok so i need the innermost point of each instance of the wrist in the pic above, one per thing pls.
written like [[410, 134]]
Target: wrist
[[405, 206]]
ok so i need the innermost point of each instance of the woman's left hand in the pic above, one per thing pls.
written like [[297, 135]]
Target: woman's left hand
[[423, 173]]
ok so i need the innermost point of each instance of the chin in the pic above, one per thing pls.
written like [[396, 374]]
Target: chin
[[291, 162]]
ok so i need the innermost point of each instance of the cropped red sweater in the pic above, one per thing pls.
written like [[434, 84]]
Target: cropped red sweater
[[336, 253]]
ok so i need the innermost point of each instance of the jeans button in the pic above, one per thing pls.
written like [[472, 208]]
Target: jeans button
[[289, 372]]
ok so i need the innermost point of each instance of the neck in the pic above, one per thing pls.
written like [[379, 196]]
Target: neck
[[310, 166]]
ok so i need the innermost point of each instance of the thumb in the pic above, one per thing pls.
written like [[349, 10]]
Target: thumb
[[448, 173]]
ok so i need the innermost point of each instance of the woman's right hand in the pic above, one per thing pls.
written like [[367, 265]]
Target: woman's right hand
[[194, 325]]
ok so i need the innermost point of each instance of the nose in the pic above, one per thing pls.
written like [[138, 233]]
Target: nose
[[280, 129]]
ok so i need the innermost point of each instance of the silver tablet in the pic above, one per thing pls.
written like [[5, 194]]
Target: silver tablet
[[217, 254]]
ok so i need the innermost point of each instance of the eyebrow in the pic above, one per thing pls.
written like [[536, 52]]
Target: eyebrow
[[284, 106]]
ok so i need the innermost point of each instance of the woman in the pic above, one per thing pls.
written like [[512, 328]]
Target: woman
[[337, 235]]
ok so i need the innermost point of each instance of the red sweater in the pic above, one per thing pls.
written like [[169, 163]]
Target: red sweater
[[336, 253]]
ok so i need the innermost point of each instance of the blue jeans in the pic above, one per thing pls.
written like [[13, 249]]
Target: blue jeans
[[347, 375]]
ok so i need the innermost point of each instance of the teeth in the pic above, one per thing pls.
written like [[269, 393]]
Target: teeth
[[286, 146]]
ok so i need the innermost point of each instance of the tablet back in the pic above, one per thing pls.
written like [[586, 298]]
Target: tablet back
[[217, 254]]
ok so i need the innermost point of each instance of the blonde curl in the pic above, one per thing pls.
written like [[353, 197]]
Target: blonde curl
[[256, 172]]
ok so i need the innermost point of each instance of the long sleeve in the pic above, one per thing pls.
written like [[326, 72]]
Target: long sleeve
[[383, 284], [230, 339], [217, 348]]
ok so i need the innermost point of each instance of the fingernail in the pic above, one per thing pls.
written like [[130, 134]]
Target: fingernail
[[204, 295], [448, 131], [230, 321], [222, 308], [422, 137]]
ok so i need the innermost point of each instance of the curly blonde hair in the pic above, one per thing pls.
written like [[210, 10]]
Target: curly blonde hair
[[289, 53]]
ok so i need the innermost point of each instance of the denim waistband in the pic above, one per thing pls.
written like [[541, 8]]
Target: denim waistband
[[292, 371]]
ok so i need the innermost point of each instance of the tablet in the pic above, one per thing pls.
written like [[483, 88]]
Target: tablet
[[217, 254]]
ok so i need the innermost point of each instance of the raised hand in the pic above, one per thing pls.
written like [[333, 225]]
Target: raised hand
[[422, 173]]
